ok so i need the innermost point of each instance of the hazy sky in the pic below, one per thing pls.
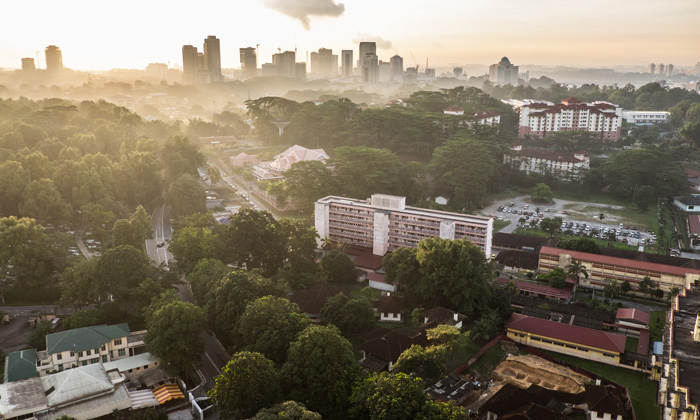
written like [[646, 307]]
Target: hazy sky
[[108, 34]]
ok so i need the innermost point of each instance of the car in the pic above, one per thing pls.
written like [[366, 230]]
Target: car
[[500, 217], [563, 212], [160, 244]]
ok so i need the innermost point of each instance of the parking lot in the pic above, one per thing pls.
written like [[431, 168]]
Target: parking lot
[[521, 211]]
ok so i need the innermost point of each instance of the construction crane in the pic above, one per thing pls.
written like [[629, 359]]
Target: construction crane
[[414, 61], [257, 51]]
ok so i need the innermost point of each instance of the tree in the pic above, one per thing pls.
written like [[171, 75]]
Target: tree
[[84, 318], [511, 290], [321, 370], [205, 273], [339, 268], [579, 244], [120, 270], [645, 286], [43, 202], [673, 292], [644, 197], [388, 396], [302, 254], [307, 181], [214, 175], [601, 216], [191, 245], [555, 278], [80, 284], [487, 327], [362, 171], [551, 225], [425, 362], [658, 294], [612, 290], [575, 270], [37, 339], [269, 324], [349, 315], [186, 196], [248, 383], [288, 410], [541, 193], [13, 181], [625, 287], [174, 329]]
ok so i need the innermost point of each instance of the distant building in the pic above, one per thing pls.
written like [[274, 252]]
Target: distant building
[[384, 223], [453, 110], [646, 117], [28, 67], [189, 64], [274, 170], [324, 63], [159, 70], [300, 71], [429, 73], [285, 63], [503, 73], [696, 69], [662, 69], [457, 72], [538, 118], [669, 70], [212, 56], [346, 63], [396, 68], [651, 68], [567, 166], [366, 48], [249, 62], [54, 59]]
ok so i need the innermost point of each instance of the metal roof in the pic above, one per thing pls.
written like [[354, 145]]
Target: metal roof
[[20, 365], [86, 338], [76, 384]]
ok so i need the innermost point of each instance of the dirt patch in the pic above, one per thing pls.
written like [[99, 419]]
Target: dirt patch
[[524, 371]]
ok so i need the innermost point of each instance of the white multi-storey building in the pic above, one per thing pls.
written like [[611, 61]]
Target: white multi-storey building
[[646, 117], [568, 166], [538, 118], [384, 223]]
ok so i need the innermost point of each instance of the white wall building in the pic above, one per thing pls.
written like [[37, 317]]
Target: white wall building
[[568, 166], [646, 117], [384, 223], [503, 73]]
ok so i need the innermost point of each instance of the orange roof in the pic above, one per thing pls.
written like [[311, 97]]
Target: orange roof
[[167, 392], [570, 333]]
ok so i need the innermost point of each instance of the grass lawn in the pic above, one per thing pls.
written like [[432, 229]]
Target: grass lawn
[[500, 224], [642, 390], [656, 325], [489, 360], [631, 344]]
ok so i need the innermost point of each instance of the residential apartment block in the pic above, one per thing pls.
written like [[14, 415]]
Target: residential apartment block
[[604, 268], [646, 117], [568, 166], [384, 223], [538, 118]]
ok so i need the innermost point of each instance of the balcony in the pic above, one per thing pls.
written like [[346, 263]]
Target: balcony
[[340, 225]]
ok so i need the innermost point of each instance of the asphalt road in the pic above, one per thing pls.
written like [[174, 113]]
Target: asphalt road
[[214, 357], [14, 334]]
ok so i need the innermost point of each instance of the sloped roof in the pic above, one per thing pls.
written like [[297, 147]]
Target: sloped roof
[[688, 200], [607, 399], [585, 336], [632, 314], [86, 338], [391, 304], [75, 384], [389, 344], [295, 154], [442, 315], [22, 397], [522, 259], [538, 288], [310, 301], [20, 365], [369, 261]]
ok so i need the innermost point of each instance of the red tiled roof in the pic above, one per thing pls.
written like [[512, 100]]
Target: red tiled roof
[[692, 173], [369, 260], [564, 332], [542, 289], [374, 276], [622, 262], [643, 345], [633, 314], [571, 100], [694, 223], [390, 304]]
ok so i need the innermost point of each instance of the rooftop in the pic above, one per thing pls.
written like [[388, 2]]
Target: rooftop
[[684, 348], [573, 334], [538, 288], [75, 384], [22, 397], [20, 365], [86, 338], [122, 365], [633, 315]]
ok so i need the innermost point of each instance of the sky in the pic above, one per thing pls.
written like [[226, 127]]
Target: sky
[[100, 35]]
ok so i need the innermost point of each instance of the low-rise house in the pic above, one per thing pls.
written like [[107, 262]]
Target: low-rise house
[[443, 316], [20, 365], [310, 301], [390, 308], [382, 346], [377, 281], [274, 170], [646, 117], [632, 320], [539, 290], [132, 367], [688, 203]]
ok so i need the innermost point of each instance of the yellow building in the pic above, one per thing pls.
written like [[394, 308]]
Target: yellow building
[[585, 343]]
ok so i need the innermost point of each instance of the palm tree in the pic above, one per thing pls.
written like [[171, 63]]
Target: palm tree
[[612, 290], [575, 270], [673, 292], [511, 290], [601, 216]]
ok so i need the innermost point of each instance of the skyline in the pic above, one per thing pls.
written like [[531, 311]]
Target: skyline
[[448, 32]]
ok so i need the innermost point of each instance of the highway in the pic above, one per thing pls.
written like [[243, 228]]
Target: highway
[[214, 357]]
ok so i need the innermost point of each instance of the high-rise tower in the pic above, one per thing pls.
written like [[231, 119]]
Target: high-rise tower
[[346, 63], [249, 62], [396, 68], [54, 59], [212, 56], [189, 64]]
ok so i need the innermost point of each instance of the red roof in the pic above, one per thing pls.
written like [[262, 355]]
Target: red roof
[[694, 223], [622, 262], [571, 100], [564, 332], [643, 346], [633, 315], [369, 260], [373, 276], [541, 289]]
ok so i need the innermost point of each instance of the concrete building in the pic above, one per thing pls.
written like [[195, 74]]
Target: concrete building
[[457, 72], [274, 170], [249, 62], [366, 48], [346, 63], [28, 67], [285, 63], [189, 64], [384, 223], [212, 56], [538, 118], [651, 68], [370, 69], [646, 117], [503, 73], [54, 59], [567, 166], [662, 69], [396, 68], [324, 63], [300, 71]]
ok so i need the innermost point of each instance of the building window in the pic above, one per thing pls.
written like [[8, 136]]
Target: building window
[[104, 359], [80, 354], [122, 352], [83, 363], [88, 352], [59, 356], [103, 348], [118, 342], [72, 354]]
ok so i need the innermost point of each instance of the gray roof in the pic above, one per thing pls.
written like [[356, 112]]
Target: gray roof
[[22, 397], [688, 200], [86, 338], [20, 365], [76, 384]]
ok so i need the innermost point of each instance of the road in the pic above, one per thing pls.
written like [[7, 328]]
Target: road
[[214, 357], [14, 334]]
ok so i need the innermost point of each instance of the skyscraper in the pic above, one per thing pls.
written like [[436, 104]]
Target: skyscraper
[[662, 69], [249, 62], [54, 59], [324, 63], [365, 49], [285, 63], [396, 68], [503, 73], [370, 68], [189, 64], [346, 63], [212, 56], [669, 70], [28, 66], [457, 72], [651, 68]]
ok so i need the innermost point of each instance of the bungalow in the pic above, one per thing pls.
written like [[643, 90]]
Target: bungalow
[[20, 365], [688, 203], [443, 316], [390, 308], [382, 346], [377, 281]]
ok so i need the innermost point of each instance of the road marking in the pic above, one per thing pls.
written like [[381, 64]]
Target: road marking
[[212, 363]]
